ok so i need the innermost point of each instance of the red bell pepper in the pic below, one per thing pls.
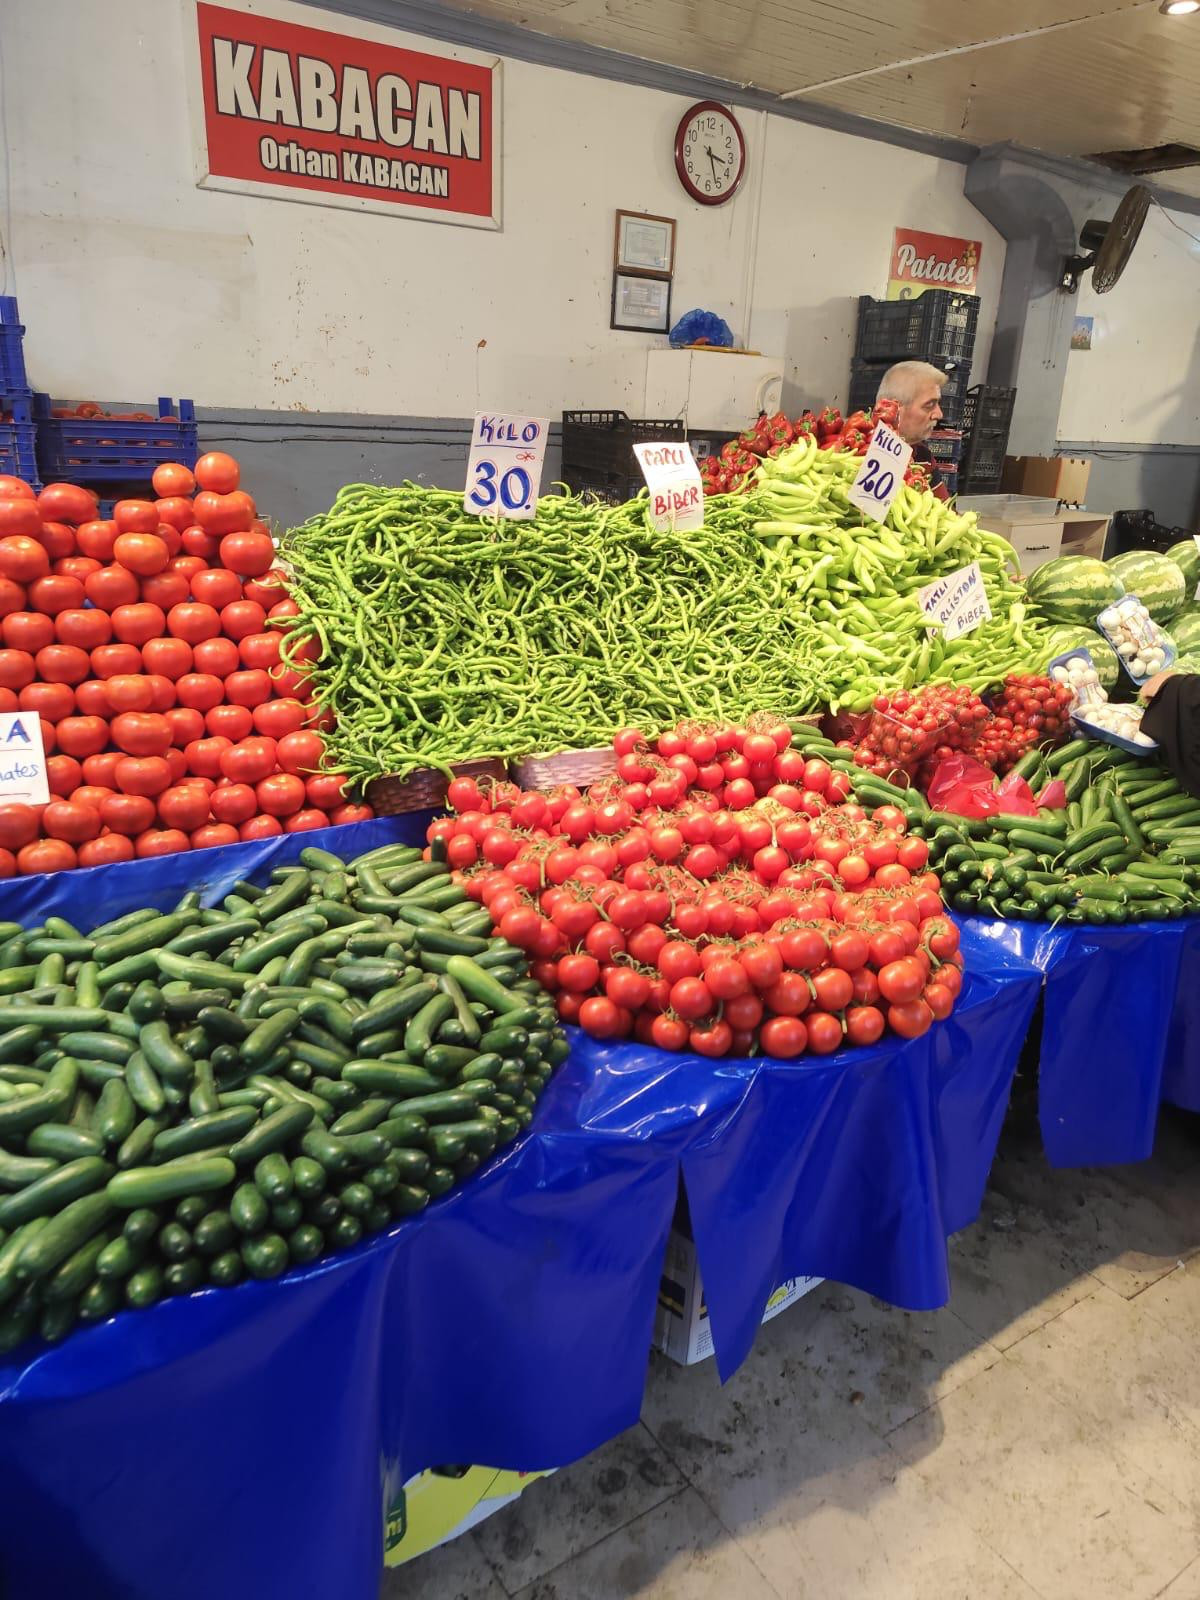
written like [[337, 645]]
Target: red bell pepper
[[829, 423], [886, 411]]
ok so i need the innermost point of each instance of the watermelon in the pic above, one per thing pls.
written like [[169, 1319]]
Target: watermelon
[[1104, 657], [1185, 631], [1186, 557], [1073, 589], [1154, 578]]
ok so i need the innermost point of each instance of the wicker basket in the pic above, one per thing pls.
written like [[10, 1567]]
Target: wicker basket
[[424, 789], [580, 767]]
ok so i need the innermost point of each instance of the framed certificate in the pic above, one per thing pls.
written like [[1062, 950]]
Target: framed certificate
[[641, 305], [644, 244]]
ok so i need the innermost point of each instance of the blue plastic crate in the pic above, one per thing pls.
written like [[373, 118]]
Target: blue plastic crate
[[107, 449], [18, 456], [14, 380]]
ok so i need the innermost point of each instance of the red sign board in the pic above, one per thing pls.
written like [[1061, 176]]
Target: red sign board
[[923, 261], [296, 112]]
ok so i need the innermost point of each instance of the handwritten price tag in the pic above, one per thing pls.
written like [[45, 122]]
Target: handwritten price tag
[[22, 760], [673, 479], [881, 476], [504, 469], [958, 603]]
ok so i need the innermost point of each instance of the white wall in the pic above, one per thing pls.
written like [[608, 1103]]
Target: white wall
[[1140, 382], [132, 281]]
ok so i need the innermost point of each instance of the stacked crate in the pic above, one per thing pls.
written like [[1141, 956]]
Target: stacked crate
[[937, 326], [18, 456], [987, 418]]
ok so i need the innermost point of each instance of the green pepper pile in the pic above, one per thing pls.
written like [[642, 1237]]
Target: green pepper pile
[[193, 1096]]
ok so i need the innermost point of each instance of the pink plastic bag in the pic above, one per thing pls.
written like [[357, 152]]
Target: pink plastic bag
[[965, 786], [1054, 795]]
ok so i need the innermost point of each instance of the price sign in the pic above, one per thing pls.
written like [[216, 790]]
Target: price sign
[[957, 603], [22, 760], [673, 479], [881, 476], [504, 470]]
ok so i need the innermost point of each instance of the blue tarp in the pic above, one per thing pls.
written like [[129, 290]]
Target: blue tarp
[[1120, 1031], [246, 1441]]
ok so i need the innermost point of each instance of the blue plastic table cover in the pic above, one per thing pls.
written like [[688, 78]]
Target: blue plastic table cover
[[1120, 1029], [246, 1441]]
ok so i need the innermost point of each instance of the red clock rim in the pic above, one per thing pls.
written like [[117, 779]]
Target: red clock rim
[[681, 169]]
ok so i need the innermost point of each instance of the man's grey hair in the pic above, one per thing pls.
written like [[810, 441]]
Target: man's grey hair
[[902, 381]]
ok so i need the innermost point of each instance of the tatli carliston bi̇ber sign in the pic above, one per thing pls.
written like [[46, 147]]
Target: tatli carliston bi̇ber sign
[[673, 479], [957, 603]]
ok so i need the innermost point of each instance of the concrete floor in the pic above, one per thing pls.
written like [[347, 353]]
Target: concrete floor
[[1039, 1437]]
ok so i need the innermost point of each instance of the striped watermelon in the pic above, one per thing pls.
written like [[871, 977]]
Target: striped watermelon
[[1104, 657], [1185, 631], [1154, 578], [1186, 557], [1073, 589]]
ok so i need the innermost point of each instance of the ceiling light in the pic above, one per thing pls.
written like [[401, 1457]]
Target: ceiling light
[[1178, 8]]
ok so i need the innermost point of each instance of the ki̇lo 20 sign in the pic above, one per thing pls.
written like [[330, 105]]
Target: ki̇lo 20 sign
[[292, 112]]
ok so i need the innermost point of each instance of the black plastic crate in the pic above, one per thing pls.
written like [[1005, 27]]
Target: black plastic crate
[[983, 456], [865, 378], [945, 446], [597, 451], [102, 448], [18, 455], [988, 408], [14, 381], [937, 326], [1141, 530]]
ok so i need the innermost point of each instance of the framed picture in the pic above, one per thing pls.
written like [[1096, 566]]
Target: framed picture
[[641, 305], [644, 244]]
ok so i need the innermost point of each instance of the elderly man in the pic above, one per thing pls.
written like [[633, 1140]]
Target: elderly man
[[916, 387]]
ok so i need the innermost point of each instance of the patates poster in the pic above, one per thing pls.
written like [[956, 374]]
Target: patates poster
[[923, 261]]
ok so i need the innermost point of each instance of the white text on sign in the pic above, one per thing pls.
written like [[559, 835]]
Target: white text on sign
[[22, 760], [881, 476], [504, 469], [957, 603], [673, 479]]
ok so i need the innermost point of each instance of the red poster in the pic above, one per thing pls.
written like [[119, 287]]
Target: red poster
[[923, 261], [301, 113]]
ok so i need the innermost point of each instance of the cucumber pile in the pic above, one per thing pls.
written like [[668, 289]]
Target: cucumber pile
[[196, 1096], [1126, 849]]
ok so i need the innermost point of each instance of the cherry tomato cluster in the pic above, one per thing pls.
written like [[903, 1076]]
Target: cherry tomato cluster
[[907, 729], [1030, 709], [694, 902], [148, 645]]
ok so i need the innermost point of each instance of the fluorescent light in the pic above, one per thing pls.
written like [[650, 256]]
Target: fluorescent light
[[1178, 8]]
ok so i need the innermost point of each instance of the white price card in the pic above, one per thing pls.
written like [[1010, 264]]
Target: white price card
[[22, 759], [673, 479], [881, 476], [504, 470], [957, 603]]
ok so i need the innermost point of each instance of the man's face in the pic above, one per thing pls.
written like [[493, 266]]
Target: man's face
[[921, 415]]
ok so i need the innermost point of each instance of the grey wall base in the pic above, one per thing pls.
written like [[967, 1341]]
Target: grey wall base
[[1163, 478]]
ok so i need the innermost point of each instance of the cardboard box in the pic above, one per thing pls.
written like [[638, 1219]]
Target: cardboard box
[[439, 1505], [681, 1325], [1059, 477]]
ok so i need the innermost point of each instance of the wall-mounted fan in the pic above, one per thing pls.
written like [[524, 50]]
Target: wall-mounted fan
[[1106, 247]]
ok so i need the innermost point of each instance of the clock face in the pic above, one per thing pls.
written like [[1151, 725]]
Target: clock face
[[710, 153]]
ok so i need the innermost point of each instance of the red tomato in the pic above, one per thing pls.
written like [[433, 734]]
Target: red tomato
[[18, 825], [62, 663], [909, 1018], [82, 736], [241, 618], [54, 701], [183, 806], [163, 691], [194, 621], [301, 751], [66, 819], [63, 774], [784, 1037], [99, 769], [13, 599], [19, 518], [234, 802], [103, 852], [185, 725], [176, 511], [66, 502], [260, 828], [111, 587], [170, 658], [87, 794], [26, 630], [901, 981], [196, 542], [135, 516], [15, 488], [165, 589], [267, 590], [212, 835], [218, 656], [17, 669], [161, 842], [173, 479], [289, 608], [279, 718], [47, 855], [327, 789], [248, 688], [281, 795], [110, 659], [249, 554], [80, 567], [142, 775], [188, 566], [351, 813], [824, 1033], [218, 472], [135, 624], [199, 691], [223, 514], [204, 756], [96, 539], [140, 733], [305, 822], [23, 558], [91, 698], [230, 722], [58, 539], [249, 760], [262, 650], [129, 814], [141, 553], [87, 628], [789, 995]]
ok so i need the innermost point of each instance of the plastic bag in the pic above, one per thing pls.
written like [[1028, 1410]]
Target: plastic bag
[[702, 327], [969, 789]]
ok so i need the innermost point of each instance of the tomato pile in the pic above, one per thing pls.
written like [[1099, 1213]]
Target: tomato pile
[[148, 645], [1029, 710], [720, 894]]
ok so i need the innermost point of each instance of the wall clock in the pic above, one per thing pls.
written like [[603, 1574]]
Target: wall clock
[[710, 152]]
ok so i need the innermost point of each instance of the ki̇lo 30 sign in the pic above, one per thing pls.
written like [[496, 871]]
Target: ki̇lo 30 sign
[[293, 112]]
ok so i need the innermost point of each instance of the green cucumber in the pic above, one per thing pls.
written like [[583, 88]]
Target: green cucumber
[[152, 1186]]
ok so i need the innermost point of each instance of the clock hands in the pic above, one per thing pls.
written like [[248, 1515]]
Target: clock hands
[[708, 151]]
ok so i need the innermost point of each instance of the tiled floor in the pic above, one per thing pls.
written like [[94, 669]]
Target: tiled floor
[[1040, 1437]]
